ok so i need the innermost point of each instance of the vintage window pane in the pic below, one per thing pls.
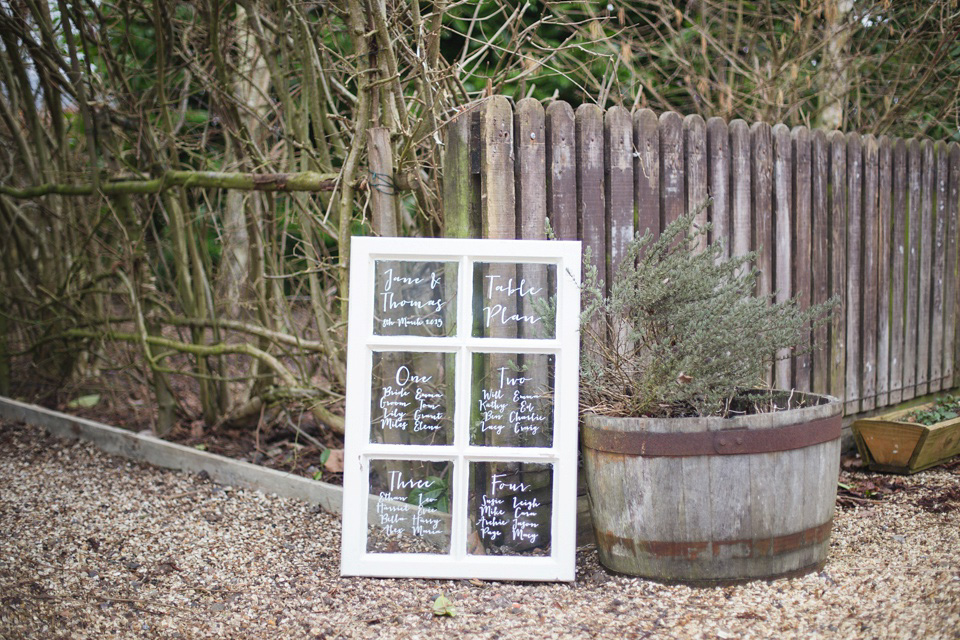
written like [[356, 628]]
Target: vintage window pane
[[412, 512], [412, 397], [510, 508], [415, 298], [512, 400], [512, 300]]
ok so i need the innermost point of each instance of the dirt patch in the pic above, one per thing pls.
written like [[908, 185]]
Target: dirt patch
[[278, 447], [861, 488], [292, 444], [291, 441], [948, 500]]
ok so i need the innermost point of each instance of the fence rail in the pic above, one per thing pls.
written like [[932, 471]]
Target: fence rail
[[871, 220]]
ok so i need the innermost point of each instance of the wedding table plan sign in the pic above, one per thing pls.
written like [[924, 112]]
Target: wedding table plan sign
[[461, 413]]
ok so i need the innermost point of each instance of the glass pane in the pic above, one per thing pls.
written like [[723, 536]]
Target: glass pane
[[512, 400], [412, 513], [513, 300], [412, 398], [510, 508], [415, 298]]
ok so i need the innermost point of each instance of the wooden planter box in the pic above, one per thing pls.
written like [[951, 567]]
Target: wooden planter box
[[888, 443]]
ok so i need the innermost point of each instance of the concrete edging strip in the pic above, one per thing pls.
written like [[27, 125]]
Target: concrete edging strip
[[153, 450]]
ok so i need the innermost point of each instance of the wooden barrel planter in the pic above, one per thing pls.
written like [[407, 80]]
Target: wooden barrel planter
[[713, 500]]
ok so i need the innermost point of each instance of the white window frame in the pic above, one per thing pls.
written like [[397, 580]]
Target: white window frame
[[362, 343]]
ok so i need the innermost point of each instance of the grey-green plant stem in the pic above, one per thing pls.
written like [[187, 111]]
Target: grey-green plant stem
[[357, 22], [283, 182]]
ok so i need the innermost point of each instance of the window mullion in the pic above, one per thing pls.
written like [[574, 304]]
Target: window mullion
[[458, 541]]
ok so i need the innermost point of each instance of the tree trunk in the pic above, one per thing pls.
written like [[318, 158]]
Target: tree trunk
[[4, 354], [235, 257], [250, 92], [166, 404], [835, 81]]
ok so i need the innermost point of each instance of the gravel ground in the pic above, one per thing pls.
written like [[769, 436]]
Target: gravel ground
[[94, 546]]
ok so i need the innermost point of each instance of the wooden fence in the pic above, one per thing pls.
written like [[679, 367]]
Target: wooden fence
[[872, 220]]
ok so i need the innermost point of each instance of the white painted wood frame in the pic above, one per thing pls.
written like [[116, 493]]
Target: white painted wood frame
[[360, 507]]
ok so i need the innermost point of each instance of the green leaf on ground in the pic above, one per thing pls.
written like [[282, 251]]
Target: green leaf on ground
[[84, 402], [443, 606]]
